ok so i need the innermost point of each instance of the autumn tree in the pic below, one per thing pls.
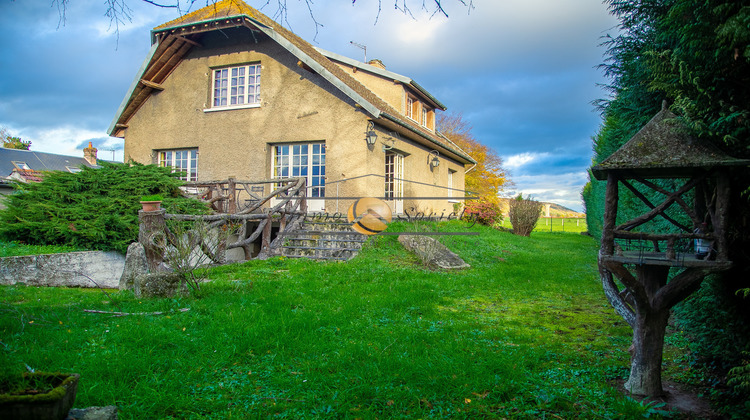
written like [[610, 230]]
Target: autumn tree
[[12, 142], [488, 177]]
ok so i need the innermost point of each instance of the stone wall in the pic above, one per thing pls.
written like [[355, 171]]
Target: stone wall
[[70, 269]]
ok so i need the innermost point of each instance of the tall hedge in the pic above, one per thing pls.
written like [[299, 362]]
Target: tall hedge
[[94, 209]]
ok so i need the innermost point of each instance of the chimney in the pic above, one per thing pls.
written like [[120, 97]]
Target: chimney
[[89, 154], [377, 63]]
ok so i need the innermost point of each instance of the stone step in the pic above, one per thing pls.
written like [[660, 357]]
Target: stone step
[[322, 241]]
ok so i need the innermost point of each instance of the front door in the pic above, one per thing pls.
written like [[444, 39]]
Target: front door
[[307, 160], [394, 184]]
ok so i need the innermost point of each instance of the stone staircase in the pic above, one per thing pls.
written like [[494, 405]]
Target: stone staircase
[[322, 240]]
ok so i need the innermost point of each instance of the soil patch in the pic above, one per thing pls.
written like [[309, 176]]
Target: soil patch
[[679, 398]]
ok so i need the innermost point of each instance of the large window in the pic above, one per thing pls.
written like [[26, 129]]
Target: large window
[[306, 160], [236, 86], [181, 160]]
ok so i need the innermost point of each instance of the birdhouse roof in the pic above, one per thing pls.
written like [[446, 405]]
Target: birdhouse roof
[[664, 148]]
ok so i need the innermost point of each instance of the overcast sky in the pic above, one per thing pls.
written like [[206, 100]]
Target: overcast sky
[[522, 72]]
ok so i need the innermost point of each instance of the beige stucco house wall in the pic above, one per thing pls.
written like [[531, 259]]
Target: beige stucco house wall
[[300, 103]]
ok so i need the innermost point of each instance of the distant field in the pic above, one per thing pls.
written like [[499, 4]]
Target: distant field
[[555, 224]]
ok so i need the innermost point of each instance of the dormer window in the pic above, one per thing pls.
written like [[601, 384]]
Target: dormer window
[[410, 107], [21, 165], [424, 116], [236, 87]]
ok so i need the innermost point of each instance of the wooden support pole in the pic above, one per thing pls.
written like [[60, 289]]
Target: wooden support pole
[[265, 246], [232, 204], [610, 215], [722, 216]]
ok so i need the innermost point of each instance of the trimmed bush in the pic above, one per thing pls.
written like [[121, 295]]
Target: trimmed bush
[[523, 214]]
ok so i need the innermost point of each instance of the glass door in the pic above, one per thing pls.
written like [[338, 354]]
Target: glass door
[[394, 184]]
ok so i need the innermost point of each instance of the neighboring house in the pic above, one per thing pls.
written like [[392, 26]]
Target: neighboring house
[[199, 104], [30, 166]]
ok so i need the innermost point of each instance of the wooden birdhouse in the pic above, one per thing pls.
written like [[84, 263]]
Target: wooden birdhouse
[[659, 267]]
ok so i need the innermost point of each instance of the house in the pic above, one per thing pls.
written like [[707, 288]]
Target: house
[[30, 166], [227, 92]]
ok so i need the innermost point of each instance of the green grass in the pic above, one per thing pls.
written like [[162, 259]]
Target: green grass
[[13, 249], [525, 333]]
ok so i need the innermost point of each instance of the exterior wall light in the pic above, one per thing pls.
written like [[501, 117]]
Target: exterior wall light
[[434, 162], [371, 136]]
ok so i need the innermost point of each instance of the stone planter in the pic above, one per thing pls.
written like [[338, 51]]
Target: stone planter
[[151, 205], [53, 402]]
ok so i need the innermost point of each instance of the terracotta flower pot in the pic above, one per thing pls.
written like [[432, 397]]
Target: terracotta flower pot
[[151, 205], [52, 402]]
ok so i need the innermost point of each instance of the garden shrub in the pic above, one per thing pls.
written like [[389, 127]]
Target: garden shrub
[[93, 209], [523, 214], [483, 211]]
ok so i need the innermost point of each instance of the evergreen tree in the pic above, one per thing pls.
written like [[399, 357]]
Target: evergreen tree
[[92, 209]]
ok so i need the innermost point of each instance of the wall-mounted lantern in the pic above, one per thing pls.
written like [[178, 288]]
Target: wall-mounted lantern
[[433, 160], [370, 135]]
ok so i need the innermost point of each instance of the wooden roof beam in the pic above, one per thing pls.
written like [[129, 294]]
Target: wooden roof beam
[[152, 85], [171, 63], [189, 41]]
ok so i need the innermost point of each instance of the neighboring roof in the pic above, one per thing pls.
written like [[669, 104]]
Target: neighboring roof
[[384, 73], [27, 175], [174, 39], [37, 161], [664, 148]]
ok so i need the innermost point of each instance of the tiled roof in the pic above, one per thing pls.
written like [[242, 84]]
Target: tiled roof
[[381, 111], [37, 161], [27, 175]]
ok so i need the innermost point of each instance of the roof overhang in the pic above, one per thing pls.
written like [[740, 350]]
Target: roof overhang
[[431, 142]]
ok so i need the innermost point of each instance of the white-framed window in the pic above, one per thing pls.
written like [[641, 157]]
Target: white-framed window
[[237, 86], [20, 165], [302, 160], [410, 107], [424, 116], [181, 160]]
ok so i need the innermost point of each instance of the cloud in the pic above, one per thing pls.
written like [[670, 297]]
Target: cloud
[[516, 161]]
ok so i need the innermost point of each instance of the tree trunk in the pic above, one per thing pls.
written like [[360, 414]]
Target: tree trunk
[[648, 335], [646, 354]]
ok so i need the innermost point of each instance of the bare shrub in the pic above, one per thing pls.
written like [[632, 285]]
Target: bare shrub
[[523, 214], [192, 248]]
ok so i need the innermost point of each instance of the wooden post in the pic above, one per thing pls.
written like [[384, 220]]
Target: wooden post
[[265, 246], [232, 204], [303, 197], [610, 214], [722, 213], [152, 234]]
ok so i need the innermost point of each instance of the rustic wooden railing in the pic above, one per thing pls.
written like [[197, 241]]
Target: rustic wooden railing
[[237, 204]]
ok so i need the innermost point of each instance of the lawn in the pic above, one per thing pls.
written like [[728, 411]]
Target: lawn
[[525, 333]]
